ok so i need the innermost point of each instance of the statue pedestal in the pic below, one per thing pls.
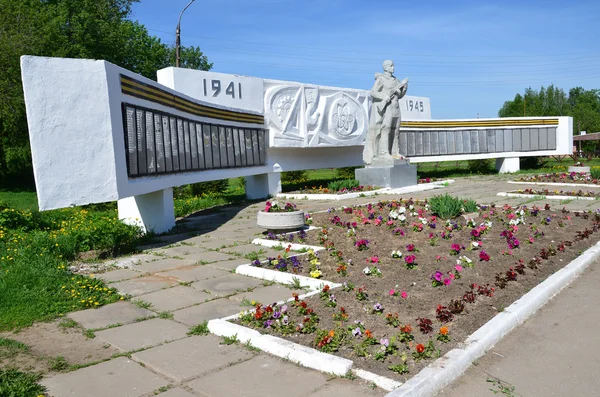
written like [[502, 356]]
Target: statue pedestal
[[392, 173]]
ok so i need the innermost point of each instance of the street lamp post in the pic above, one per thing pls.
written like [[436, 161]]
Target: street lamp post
[[178, 36]]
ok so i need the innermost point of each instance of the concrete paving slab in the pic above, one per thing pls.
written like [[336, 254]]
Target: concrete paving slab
[[213, 244], [348, 388], [230, 265], [117, 275], [259, 377], [143, 285], [247, 249], [175, 298], [144, 334], [225, 285], [194, 273], [190, 252], [191, 357], [178, 392], [218, 308], [163, 264], [118, 377], [116, 313], [266, 295]]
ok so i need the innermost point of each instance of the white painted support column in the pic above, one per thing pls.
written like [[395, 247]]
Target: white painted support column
[[151, 211], [263, 185], [507, 165]]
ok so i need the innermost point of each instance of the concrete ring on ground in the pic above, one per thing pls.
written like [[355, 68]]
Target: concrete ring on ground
[[280, 221]]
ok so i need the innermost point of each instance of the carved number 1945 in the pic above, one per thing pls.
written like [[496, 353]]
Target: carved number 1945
[[416, 105], [216, 87]]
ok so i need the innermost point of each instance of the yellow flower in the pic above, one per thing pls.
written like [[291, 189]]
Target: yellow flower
[[316, 273]]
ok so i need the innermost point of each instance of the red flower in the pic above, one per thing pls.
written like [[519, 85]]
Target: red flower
[[420, 348]]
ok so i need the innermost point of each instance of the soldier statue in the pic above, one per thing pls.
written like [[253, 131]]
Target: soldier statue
[[382, 137]]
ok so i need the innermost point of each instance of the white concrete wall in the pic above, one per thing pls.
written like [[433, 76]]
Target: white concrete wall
[[77, 137]]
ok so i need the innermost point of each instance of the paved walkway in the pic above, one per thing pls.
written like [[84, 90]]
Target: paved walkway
[[188, 278]]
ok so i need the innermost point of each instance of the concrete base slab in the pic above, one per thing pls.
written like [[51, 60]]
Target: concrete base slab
[[284, 379], [144, 334], [175, 298], [393, 177], [191, 357], [143, 285], [225, 285], [207, 311], [115, 313], [118, 377]]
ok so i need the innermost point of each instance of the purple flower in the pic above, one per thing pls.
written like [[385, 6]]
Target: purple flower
[[548, 219], [377, 307], [268, 323], [256, 262], [384, 342], [284, 309], [332, 298], [356, 332], [285, 320], [437, 275], [276, 315]]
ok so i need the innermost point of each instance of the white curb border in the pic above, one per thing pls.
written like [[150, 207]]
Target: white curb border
[[336, 197], [277, 243], [505, 194], [446, 369], [314, 284], [585, 185]]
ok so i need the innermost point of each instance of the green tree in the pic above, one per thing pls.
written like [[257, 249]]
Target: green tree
[[95, 29], [581, 104]]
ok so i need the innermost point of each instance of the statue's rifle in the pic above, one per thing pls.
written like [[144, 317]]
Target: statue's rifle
[[396, 91]]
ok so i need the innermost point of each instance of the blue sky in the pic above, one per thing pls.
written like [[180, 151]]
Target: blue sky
[[467, 56]]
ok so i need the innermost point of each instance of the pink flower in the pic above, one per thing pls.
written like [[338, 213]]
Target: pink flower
[[458, 268], [392, 292], [377, 222], [404, 295], [531, 240], [447, 281], [389, 223], [451, 275], [484, 256]]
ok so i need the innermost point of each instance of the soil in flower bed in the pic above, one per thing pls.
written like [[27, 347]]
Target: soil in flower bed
[[395, 315], [561, 177], [547, 192]]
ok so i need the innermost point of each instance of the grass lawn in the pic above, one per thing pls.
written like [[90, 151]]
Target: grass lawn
[[22, 200]]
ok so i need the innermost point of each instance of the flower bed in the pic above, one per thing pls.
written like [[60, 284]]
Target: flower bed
[[566, 193], [561, 177], [415, 286], [326, 190]]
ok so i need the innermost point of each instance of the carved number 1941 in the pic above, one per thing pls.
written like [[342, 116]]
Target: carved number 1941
[[216, 87]]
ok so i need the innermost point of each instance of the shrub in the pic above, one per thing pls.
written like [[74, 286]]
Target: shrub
[[595, 172], [294, 176], [341, 185], [483, 166], [446, 206], [345, 172], [531, 163]]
